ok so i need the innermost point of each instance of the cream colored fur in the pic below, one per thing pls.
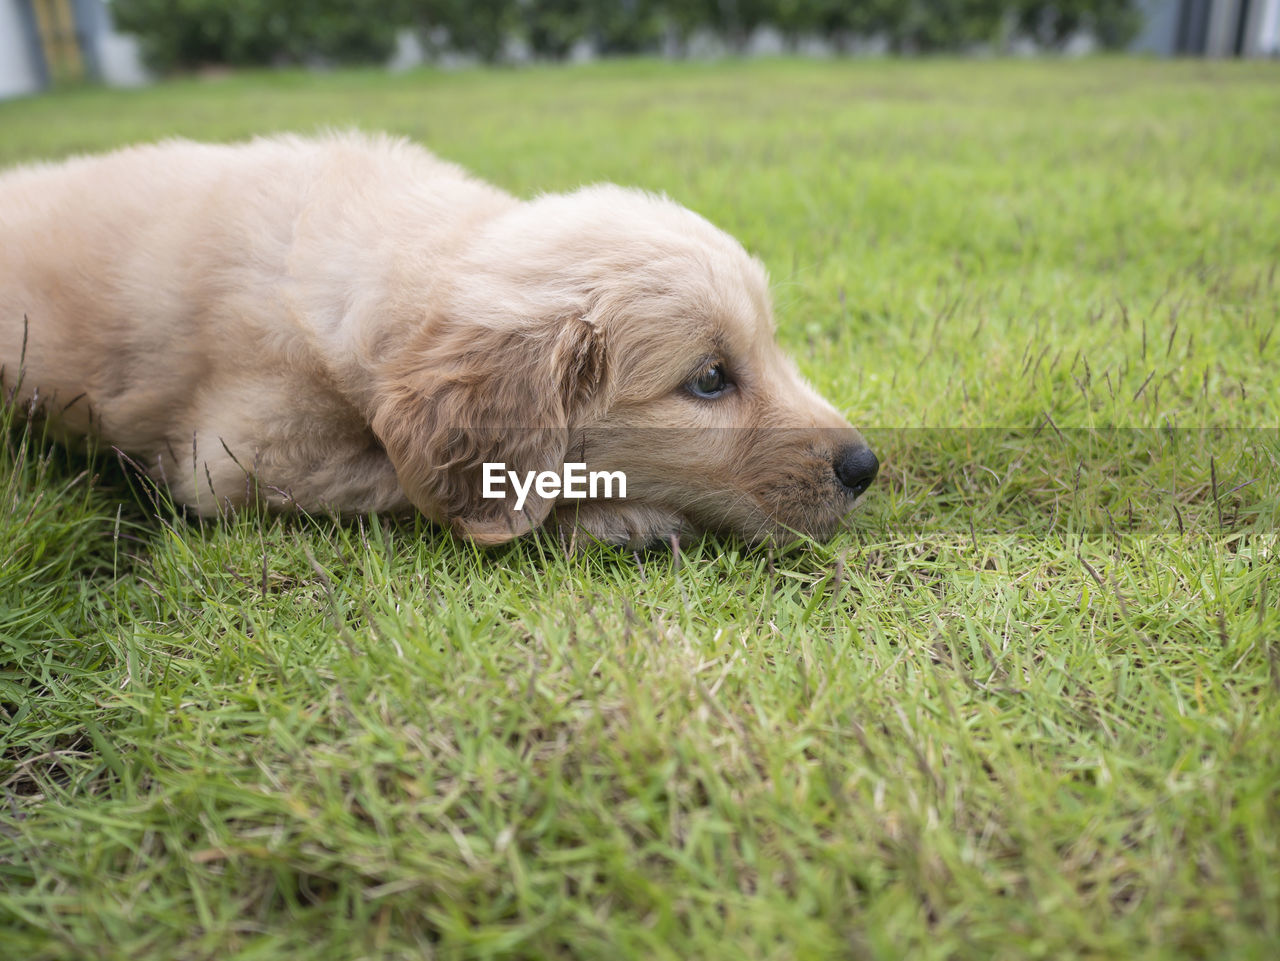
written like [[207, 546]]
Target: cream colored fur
[[349, 323]]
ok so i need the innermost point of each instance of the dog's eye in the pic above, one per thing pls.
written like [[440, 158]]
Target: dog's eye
[[710, 382]]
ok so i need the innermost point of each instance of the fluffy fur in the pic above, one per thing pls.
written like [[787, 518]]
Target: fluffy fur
[[352, 324]]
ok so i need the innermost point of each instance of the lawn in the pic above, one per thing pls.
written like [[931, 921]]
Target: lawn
[[1028, 705]]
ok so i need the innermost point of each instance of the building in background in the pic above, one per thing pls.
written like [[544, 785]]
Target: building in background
[[1210, 28], [43, 42], [21, 67]]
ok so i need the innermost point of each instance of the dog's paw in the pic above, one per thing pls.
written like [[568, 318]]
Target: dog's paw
[[619, 525]]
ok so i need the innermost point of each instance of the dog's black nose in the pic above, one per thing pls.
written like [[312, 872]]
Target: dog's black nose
[[857, 468]]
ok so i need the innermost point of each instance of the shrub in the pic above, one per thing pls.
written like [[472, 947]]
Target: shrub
[[634, 26], [182, 34], [554, 26], [1051, 24], [479, 27], [178, 34]]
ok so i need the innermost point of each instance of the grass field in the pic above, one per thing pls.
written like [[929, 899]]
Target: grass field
[[1028, 706]]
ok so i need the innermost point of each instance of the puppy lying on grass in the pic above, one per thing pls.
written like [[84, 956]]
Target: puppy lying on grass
[[352, 324]]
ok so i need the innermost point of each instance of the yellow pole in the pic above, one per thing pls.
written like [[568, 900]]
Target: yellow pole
[[55, 22]]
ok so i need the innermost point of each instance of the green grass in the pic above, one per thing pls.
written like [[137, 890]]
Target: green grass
[[1028, 706]]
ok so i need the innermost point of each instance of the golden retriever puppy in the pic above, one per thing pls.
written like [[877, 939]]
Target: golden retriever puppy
[[349, 323]]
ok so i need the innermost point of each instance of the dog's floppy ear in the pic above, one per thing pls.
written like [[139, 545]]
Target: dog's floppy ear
[[463, 396]]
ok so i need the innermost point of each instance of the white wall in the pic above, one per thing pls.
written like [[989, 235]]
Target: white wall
[[18, 74], [119, 60], [116, 55], [1159, 29], [1268, 36]]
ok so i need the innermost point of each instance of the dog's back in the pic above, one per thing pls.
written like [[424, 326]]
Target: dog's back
[[182, 289]]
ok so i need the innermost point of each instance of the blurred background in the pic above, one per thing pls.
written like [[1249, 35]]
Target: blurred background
[[46, 43]]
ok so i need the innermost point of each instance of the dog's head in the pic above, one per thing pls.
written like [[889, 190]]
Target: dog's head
[[620, 330]]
